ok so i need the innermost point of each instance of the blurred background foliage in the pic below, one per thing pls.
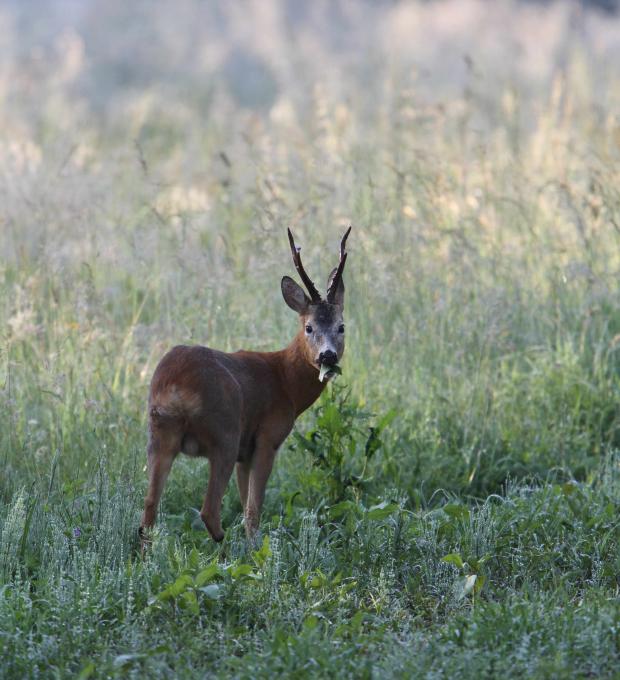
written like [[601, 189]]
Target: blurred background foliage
[[153, 154]]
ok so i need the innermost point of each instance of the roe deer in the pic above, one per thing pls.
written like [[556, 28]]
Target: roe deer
[[238, 408]]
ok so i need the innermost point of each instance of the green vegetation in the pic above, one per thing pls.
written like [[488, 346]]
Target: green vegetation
[[451, 506]]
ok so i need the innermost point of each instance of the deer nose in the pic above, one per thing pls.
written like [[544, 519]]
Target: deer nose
[[329, 358]]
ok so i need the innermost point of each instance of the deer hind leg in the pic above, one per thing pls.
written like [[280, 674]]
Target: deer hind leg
[[243, 480], [221, 464], [162, 450]]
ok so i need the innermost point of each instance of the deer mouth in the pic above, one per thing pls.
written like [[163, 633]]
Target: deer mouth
[[328, 371]]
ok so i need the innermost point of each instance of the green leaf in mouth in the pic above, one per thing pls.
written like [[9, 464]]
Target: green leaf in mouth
[[326, 372]]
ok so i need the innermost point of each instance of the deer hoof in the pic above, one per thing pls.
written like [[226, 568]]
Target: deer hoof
[[216, 532], [145, 541]]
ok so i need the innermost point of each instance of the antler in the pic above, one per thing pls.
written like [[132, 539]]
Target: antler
[[295, 250], [333, 287]]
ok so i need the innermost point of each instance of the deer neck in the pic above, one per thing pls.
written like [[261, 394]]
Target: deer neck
[[300, 378]]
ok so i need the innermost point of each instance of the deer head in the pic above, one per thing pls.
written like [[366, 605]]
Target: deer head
[[321, 318]]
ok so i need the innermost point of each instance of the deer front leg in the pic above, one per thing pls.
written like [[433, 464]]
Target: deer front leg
[[221, 467], [262, 463]]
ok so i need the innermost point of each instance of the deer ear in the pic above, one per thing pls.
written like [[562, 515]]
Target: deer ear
[[294, 295], [339, 294]]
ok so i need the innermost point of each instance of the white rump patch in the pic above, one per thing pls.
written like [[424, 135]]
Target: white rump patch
[[180, 400]]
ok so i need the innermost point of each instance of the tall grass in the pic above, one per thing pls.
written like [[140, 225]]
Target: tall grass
[[451, 503]]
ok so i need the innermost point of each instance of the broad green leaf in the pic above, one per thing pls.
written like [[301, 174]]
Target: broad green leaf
[[194, 559], [357, 620], [311, 622], [382, 510], [162, 597], [342, 508], [207, 574], [347, 587], [189, 601], [331, 419], [569, 488], [240, 570], [87, 671], [213, 591], [180, 585], [261, 555], [453, 558]]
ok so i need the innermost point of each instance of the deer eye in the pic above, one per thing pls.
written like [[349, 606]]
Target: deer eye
[[308, 329], [341, 328]]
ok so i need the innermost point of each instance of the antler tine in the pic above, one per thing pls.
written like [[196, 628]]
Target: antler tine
[[295, 250], [343, 243], [331, 291]]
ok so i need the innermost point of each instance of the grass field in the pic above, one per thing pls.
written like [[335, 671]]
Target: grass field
[[451, 505]]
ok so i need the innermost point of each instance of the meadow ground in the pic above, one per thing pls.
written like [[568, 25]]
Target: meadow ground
[[451, 505]]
